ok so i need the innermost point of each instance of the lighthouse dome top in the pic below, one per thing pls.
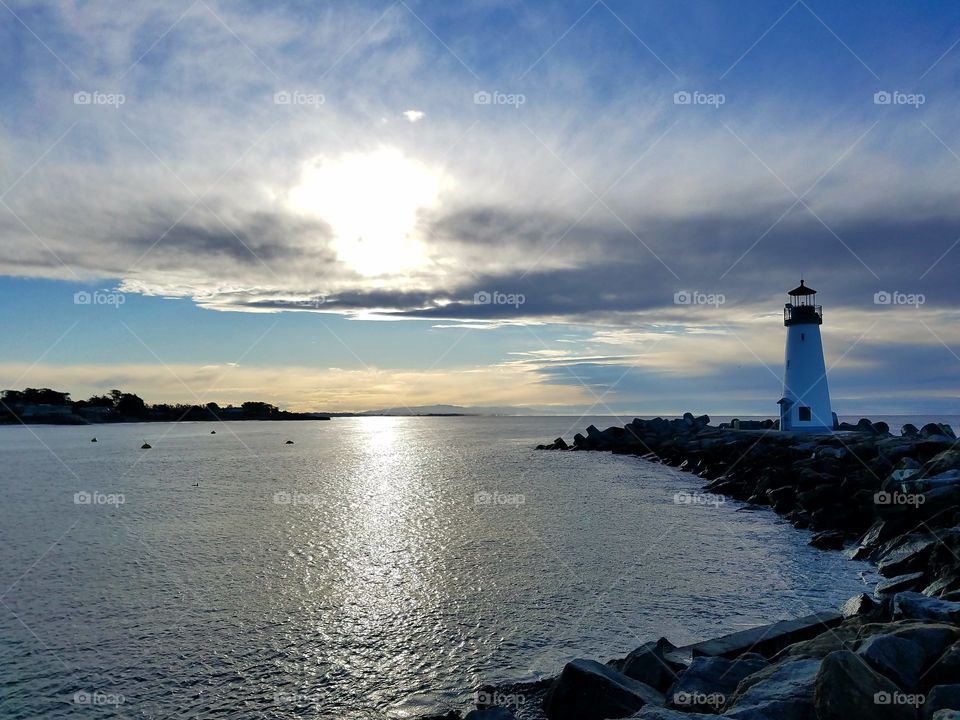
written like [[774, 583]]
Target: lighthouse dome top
[[801, 291]]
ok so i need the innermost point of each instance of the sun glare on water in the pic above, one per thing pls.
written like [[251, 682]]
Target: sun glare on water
[[371, 201]]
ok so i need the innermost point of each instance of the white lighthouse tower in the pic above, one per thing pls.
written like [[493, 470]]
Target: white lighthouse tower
[[805, 405]]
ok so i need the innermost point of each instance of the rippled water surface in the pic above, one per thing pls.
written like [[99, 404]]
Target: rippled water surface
[[374, 567]]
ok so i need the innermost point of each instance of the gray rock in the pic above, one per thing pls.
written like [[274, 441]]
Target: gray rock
[[945, 669], [828, 540], [941, 697], [900, 584], [934, 638], [847, 688], [709, 681], [911, 556], [588, 690], [648, 664], [941, 585], [920, 607], [783, 691], [861, 604], [767, 640], [896, 658], [946, 715]]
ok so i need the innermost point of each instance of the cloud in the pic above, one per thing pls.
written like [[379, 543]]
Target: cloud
[[414, 115]]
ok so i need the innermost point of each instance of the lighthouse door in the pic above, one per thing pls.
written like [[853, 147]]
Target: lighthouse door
[[785, 405]]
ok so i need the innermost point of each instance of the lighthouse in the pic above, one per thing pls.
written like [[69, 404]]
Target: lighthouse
[[805, 405]]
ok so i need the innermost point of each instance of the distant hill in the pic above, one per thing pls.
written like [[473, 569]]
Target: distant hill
[[454, 410]]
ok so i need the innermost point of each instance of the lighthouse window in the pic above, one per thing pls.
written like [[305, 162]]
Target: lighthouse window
[[803, 413]]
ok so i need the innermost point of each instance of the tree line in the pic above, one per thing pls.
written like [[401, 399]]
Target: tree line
[[47, 405]]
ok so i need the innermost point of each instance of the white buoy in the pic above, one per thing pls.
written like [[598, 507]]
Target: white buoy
[[805, 405]]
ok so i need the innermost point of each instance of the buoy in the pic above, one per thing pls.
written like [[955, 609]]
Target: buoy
[[146, 445], [289, 442], [93, 439]]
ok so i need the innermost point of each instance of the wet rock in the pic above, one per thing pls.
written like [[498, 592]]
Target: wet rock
[[909, 430], [649, 665], [933, 638], [784, 691], [828, 540], [588, 690], [910, 556], [861, 604], [896, 658], [941, 697], [921, 607], [945, 669], [847, 688], [900, 584], [942, 586], [709, 681], [767, 640]]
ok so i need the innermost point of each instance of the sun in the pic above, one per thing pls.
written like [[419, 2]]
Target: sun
[[371, 201]]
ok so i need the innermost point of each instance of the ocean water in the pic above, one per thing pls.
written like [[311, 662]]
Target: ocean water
[[375, 568]]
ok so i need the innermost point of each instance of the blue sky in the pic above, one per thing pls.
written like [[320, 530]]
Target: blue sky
[[356, 206]]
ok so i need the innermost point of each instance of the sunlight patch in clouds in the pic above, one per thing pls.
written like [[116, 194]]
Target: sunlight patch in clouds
[[371, 201]]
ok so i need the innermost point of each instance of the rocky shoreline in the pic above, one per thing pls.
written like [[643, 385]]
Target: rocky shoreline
[[893, 500]]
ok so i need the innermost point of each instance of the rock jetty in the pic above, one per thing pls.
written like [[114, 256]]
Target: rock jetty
[[895, 655]]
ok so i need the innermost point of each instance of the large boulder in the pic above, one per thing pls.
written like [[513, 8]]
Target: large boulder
[[934, 638], [847, 688], [941, 697], [917, 606], [589, 690], [910, 556], [945, 669], [896, 658], [768, 640], [828, 540], [709, 681], [649, 665], [901, 584], [783, 691]]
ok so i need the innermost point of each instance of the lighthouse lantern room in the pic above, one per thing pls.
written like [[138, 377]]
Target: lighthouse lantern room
[[805, 405]]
